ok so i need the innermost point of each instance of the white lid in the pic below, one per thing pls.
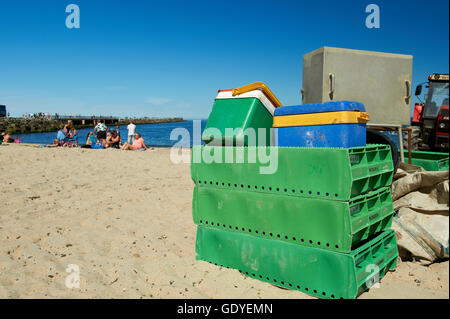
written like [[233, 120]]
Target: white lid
[[227, 94]]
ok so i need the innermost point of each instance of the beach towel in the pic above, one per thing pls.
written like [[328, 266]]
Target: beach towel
[[97, 146]]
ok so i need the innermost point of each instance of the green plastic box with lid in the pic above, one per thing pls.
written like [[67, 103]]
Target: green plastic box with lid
[[238, 120]]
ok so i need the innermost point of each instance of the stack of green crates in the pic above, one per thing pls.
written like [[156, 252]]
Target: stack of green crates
[[319, 224], [312, 219]]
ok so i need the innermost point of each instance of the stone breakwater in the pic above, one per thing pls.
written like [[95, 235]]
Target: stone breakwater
[[20, 125]]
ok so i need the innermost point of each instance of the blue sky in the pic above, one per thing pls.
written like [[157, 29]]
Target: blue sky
[[161, 58]]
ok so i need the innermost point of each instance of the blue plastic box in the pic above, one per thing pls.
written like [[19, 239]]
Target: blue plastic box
[[346, 135]]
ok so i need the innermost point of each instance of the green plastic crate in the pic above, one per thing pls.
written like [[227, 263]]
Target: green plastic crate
[[329, 173], [327, 224], [318, 272], [240, 114], [430, 161]]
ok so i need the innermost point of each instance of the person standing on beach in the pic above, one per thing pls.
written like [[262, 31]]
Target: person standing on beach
[[100, 130], [131, 132]]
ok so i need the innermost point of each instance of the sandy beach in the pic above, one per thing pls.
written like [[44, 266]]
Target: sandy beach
[[124, 218]]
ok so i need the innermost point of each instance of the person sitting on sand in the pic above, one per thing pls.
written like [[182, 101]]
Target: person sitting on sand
[[62, 134], [6, 138], [75, 137], [118, 134], [90, 138], [107, 141], [56, 143], [137, 144], [115, 140]]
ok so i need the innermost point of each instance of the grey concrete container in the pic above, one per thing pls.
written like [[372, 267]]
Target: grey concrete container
[[381, 81]]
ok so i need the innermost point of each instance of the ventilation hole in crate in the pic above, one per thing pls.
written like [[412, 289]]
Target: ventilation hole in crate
[[264, 232], [298, 287], [260, 276], [309, 192], [282, 282], [278, 235], [224, 226], [249, 230], [212, 223], [301, 191], [323, 293], [278, 189], [230, 227], [246, 273], [337, 246], [248, 186], [293, 238], [290, 285], [217, 183], [256, 187], [318, 243], [285, 190], [302, 240], [315, 291], [274, 280], [336, 195], [206, 182], [327, 194], [328, 245], [256, 231], [271, 234], [201, 221], [206, 222], [229, 184], [242, 185], [286, 237], [293, 190], [267, 278], [318, 193], [307, 289], [270, 188], [262, 187], [223, 184], [237, 228], [332, 296], [310, 241], [235, 185], [210, 182], [243, 229]]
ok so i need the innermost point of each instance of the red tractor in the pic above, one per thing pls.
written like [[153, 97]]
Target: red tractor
[[431, 119]]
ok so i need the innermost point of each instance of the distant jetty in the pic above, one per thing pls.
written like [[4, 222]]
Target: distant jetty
[[39, 125]]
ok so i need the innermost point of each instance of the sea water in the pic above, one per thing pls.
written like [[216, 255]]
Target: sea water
[[153, 134]]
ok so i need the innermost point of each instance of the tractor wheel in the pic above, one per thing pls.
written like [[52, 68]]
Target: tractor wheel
[[416, 132], [375, 137]]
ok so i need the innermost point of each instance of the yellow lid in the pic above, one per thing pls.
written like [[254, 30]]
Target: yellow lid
[[341, 117]]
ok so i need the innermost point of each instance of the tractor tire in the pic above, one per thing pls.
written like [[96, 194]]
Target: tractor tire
[[416, 133], [375, 137]]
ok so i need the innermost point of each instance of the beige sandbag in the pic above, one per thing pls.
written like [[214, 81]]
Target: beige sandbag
[[415, 181], [421, 236]]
